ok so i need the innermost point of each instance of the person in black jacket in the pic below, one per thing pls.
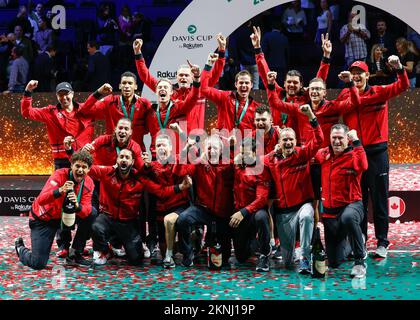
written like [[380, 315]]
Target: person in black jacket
[[98, 67], [44, 69]]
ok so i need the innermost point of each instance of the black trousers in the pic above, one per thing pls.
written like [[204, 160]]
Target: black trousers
[[375, 183], [315, 170], [42, 237], [344, 234], [246, 231], [126, 231], [196, 215]]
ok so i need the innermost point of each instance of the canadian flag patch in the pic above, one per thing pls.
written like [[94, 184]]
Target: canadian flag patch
[[396, 207]]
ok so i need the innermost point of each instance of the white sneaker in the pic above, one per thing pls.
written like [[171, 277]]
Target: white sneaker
[[146, 251], [358, 271], [100, 258], [381, 251], [119, 252]]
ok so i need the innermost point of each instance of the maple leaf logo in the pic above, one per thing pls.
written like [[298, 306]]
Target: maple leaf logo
[[394, 206]]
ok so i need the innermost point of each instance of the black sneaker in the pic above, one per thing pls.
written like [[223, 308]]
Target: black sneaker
[[263, 264], [187, 260], [18, 245], [196, 239], [155, 257], [77, 259], [277, 254]]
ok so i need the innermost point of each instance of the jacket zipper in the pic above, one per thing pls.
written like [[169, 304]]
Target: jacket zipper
[[282, 187], [331, 165]]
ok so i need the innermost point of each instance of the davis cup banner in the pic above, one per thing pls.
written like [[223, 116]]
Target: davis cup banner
[[192, 34]]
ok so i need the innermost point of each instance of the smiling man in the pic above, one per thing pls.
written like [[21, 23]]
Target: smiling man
[[46, 213]]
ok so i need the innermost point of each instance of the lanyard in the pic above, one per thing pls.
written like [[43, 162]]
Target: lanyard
[[284, 115], [79, 195], [124, 109], [163, 126], [238, 121]]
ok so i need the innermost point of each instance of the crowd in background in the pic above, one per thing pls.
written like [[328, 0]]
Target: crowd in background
[[31, 49]]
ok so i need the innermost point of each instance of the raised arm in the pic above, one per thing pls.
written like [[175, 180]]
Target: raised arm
[[314, 143], [324, 66], [142, 69], [274, 100], [38, 114], [360, 162], [215, 95], [220, 62], [95, 107]]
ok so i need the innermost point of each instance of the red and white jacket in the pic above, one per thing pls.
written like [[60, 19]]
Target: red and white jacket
[[250, 189], [340, 176], [291, 175], [105, 151], [110, 109], [49, 203], [56, 121], [195, 118], [119, 198], [328, 112], [371, 119]]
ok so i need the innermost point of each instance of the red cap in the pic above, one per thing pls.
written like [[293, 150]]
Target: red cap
[[361, 65]]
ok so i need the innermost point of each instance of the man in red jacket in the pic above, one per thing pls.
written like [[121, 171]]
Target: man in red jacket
[[46, 213], [293, 90], [184, 83], [342, 168], [371, 123], [250, 191], [120, 195], [213, 198], [167, 210], [114, 107], [63, 119], [289, 169]]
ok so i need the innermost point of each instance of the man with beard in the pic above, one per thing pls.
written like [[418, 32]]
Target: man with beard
[[250, 191], [114, 107], [371, 123], [63, 119], [214, 198], [342, 168], [184, 83], [293, 90], [289, 169], [120, 196], [46, 213], [167, 210]]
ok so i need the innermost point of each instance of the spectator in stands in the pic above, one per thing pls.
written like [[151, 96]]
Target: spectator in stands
[[142, 27], [324, 22], [125, 22], [18, 71], [308, 7], [37, 14], [6, 45], [380, 72], [107, 29], [385, 39], [335, 13], [22, 20], [408, 56], [98, 67], [23, 42], [354, 37], [44, 36], [242, 51], [9, 3], [275, 47], [44, 69], [294, 18]]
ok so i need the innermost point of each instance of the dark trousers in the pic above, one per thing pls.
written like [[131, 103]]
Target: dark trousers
[[246, 231], [375, 183], [126, 231], [42, 237], [344, 234], [196, 215], [315, 170]]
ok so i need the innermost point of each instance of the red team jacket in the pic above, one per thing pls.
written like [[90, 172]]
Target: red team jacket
[[110, 109], [291, 121], [163, 174], [328, 112], [195, 118], [291, 175], [340, 176], [250, 190], [56, 121], [120, 199], [48, 205], [105, 152], [371, 119], [214, 185]]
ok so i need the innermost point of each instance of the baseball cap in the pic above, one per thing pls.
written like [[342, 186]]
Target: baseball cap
[[63, 86], [361, 65]]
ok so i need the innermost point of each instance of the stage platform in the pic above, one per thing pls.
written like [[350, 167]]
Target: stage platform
[[395, 278], [18, 192]]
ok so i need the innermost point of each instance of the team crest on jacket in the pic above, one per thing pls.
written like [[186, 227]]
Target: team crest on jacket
[[114, 180], [60, 115]]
